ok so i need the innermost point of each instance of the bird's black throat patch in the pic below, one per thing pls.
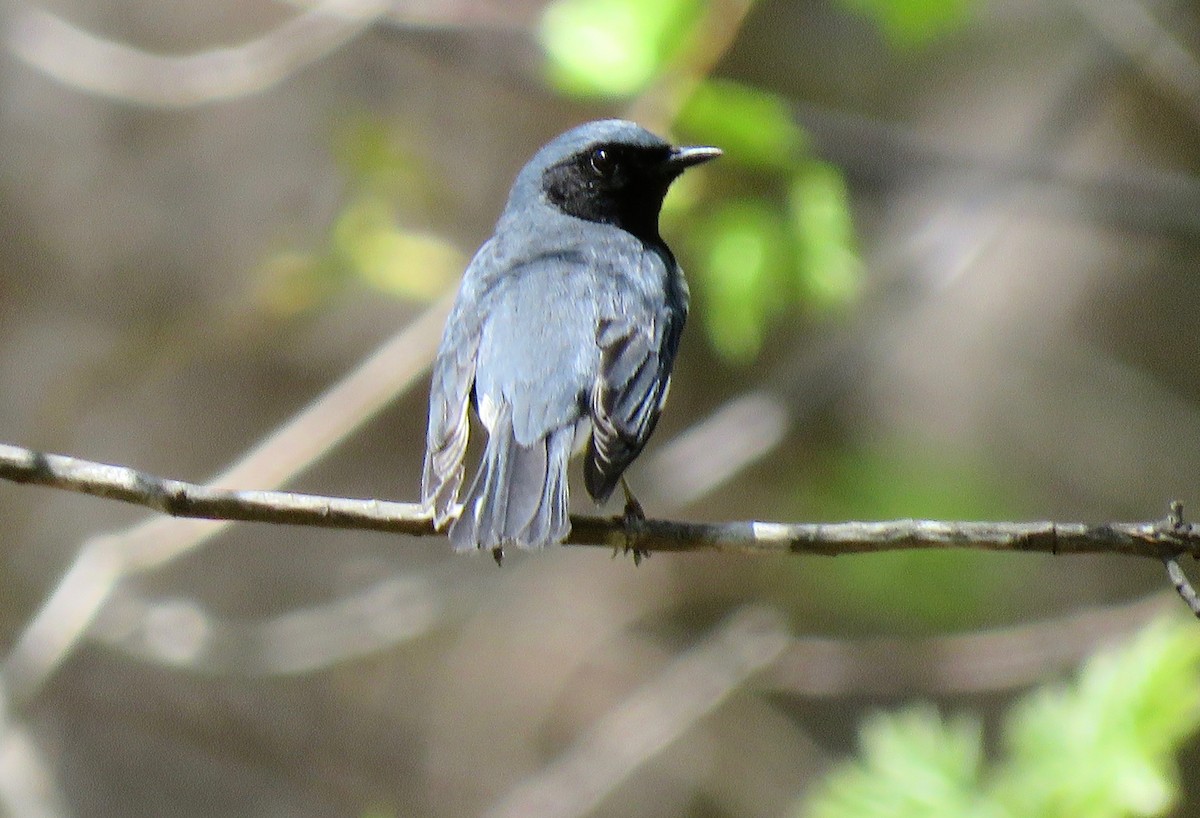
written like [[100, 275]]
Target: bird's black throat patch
[[627, 192]]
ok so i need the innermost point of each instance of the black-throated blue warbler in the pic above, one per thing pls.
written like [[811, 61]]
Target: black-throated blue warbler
[[563, 333]]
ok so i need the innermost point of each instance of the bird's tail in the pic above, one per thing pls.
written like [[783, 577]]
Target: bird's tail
[[519, 497]]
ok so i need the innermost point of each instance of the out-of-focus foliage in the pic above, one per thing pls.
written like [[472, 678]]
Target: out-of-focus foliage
[[758, 129], [777, 237], [613, 48], [823, 230], [913, 765], [897, 478], [780, 237], [1105, 746], [369, 242], [913, 22], [372, 241], [794, 247], [747, 260], [1102, 746]]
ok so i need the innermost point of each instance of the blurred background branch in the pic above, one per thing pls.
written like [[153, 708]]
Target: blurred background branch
[[28, 783], [649, 719], [95, 65], [1136, 31]]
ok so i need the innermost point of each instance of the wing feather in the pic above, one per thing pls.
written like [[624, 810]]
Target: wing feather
[[628, 395], [449, 395]]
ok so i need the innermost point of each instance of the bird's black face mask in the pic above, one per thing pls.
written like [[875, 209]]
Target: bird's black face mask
[[619, 185]]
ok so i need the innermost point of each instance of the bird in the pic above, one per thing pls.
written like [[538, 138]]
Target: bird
[[561, 338]]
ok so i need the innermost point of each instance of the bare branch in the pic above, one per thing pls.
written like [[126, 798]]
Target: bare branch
[[179, 499], [1183, 586]]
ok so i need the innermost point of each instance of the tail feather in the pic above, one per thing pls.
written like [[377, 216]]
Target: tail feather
[[519, 497], [518, 490]]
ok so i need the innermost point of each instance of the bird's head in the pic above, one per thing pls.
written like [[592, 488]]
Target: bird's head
[[611, 172]]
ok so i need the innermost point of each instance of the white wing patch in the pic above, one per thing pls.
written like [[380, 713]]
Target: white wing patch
[[488, 410]]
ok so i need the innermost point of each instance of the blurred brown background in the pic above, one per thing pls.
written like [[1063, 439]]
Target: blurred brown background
[[1023, 346]]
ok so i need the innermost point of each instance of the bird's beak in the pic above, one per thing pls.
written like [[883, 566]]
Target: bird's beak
[[681, 159]]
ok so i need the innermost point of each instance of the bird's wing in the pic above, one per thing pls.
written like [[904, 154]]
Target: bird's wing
[[629, 393], [450, 392]]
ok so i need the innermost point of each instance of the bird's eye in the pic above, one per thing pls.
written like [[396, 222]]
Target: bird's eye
[[602, 162]]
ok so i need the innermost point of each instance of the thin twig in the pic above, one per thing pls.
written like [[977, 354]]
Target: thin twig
[[1183, 586], [180, 499]]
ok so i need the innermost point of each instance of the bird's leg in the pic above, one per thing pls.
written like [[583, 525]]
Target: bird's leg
[[633, 514], [498, 555], [633, 508]]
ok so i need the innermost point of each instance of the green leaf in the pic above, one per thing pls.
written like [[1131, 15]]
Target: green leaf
[[830, 269], [613, 48], [1105, 746], [743, 270], [909, 23], [912, 765], [753, 127]]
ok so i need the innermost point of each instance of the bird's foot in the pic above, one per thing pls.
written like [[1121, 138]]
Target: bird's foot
[[630, 517]]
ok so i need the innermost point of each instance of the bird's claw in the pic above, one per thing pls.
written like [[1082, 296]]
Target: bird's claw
[[630, 517]]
